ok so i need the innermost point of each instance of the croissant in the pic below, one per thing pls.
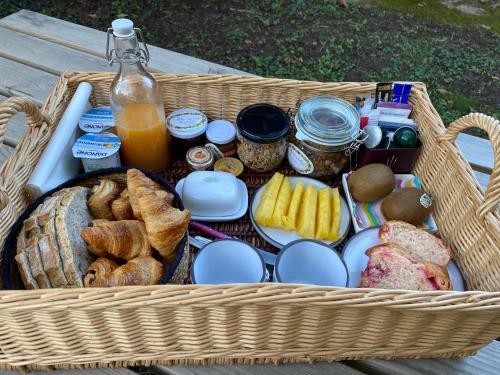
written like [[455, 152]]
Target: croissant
[[137, 271], [165, 225], [135, 180], [123, 239], [121, 208], [102, 196], [99, 269]]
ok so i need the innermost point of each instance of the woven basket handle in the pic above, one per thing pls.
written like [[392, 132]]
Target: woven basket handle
[[492, 127], [13, 105]]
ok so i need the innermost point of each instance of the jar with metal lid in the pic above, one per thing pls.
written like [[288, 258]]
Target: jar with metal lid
[[327, 132], [262, 131], [187, 127], [199, 158], [222, 134]]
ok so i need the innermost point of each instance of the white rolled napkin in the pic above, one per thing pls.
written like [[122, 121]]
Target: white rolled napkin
[[57, 164]]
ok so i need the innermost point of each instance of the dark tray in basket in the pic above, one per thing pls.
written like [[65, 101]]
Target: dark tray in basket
[[10, 273]]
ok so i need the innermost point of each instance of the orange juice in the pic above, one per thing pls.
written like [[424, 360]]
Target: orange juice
[[141, 128]]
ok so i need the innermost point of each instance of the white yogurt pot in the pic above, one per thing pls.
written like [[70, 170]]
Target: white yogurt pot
[[98, 151]]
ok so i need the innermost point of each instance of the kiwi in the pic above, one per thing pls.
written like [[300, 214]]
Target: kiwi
[[407, 204], [371, 182]]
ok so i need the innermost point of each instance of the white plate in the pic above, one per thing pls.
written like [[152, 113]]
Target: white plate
[[356, 260], [241, 211], [278, 237], [358, 226]]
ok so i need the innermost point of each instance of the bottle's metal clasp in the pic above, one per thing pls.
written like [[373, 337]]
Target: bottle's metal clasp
[[111, 52]]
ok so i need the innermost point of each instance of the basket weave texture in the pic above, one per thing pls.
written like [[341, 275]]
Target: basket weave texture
[[192, 324]]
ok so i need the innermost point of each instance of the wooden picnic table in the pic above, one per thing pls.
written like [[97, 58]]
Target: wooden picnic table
[[36, 49]]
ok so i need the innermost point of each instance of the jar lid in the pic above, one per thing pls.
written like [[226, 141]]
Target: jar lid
[[229, 165], [187, 123], [263, 123], [221, 132], [199, 157], [327, 120]]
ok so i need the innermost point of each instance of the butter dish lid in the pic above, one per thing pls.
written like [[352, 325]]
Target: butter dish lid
[[211, 195], [96, 146], [187, 123], [96, 120]]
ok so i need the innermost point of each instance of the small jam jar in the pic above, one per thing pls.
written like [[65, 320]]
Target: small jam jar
[[199, 158], [187, 127], [222, 134]]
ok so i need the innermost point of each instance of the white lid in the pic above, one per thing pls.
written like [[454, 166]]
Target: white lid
[[95, 120], [374, 135], [221, 132], [122, 27], [96, 146], [208, 193], [187, 123]]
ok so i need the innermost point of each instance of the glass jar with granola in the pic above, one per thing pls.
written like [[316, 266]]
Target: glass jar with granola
[[326, 133], [261, 139]]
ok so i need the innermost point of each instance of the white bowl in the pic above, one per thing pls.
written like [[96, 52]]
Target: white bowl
[[310, 262], [209, 194]]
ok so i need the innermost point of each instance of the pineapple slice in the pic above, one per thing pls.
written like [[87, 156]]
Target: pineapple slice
[[290, 220], [264, 212], [306, 221], [324, 214], [335, 227], [282, 203]]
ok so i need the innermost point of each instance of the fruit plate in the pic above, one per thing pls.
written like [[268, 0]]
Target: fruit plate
[[279, 237], [368, 215], [356, 260]]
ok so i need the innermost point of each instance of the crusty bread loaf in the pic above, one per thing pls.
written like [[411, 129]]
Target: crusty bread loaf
[[390, 267], [24, 269], [72, 216], [419, 244]]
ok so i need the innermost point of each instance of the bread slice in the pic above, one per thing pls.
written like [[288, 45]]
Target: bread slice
[[419, 244], [21, 242], [390, 267], [24, 269], [36, 265], [72, 215]]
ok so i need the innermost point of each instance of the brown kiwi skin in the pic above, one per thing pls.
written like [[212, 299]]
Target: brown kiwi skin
[[404, 205], [371, 182]]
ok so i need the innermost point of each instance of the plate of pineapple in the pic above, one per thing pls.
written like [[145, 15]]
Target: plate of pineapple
[[286, 209]]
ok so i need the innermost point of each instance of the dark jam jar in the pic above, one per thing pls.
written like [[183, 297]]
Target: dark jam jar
[[262, 130], [187, 128], [222, 134]]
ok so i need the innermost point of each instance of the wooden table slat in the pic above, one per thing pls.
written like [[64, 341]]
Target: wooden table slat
[[485, 362], [47, 56], [477, 151], [21, 80], [322, 368], [94, 42]]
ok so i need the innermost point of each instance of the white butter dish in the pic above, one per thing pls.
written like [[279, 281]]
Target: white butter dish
[[213, 196]]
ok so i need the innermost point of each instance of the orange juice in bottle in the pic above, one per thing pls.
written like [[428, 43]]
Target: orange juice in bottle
[[136, 103]]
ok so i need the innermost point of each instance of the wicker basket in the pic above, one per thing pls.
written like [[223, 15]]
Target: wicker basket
[[190, 324]]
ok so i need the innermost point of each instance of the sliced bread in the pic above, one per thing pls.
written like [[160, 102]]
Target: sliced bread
[[390, 267], [21, 241], [36, 265], [72, 216], [24, 269], [419, 244]]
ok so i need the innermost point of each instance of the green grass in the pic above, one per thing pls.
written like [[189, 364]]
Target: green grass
[[318, 40], [433, 10]]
